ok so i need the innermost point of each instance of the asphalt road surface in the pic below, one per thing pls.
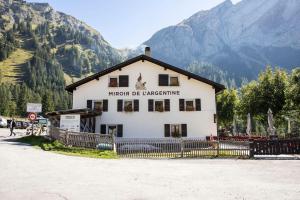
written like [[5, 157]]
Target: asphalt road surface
[[30, 173]]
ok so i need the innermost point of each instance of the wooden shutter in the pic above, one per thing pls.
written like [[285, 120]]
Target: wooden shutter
[[183, 130], [120, 130], [103, 129], [181, 104], [105, 105], [120, 105], [167, 130], [163, 80], [89, 104], [198, 104], [136, 105], [150, 105], [123, 81], [167, 104]]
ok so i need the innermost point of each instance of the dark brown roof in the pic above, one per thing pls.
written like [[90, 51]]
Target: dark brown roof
[[84, 112], [217, 86]]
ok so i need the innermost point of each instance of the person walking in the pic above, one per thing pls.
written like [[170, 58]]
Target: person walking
[[12, 125]]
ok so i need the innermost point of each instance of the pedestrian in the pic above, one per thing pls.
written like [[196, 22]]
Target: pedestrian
[[12, 125]]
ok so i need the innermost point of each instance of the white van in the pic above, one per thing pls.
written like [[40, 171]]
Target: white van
[[3, 122]]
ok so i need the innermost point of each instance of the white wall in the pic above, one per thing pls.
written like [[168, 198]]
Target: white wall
[[144, 124]]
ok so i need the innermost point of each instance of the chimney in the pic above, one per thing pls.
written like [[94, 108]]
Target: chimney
[[148, 51]]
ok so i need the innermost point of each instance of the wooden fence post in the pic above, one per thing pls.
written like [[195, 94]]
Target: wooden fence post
[[114, 142], [218, 147], [181, 147], [251, 149], [67, 138]]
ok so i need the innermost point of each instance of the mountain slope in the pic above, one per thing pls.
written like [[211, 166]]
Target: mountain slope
[[240, 39], [79, 48]]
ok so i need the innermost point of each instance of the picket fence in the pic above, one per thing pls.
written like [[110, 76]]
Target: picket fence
[[153, 147]]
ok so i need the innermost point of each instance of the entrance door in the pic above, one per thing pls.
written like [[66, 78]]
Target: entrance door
[[112, 129]]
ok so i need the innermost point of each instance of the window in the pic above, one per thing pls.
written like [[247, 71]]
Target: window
[[174, 81], [128, 105], [175, 130], [159, 105], [113, 82], [120, 81], [112, 129], [166, 80], [98, 105], [190, 105]]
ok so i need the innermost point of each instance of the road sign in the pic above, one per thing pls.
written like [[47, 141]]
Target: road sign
[[32, 116], [34, 107]]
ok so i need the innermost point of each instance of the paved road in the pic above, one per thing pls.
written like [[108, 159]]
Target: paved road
[[29, 173]]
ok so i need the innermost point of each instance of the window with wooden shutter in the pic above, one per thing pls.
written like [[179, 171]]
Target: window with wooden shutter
[[105, 105], [167, 104], [198, 104], [120, 130], [113, 82], [103, 129], [163, 80], [159, 105], [183, 130], [167, 130], [150, 105], [120, 105], [98, 106], [181, 104], [136, 105], [123, 81], [89, 104]]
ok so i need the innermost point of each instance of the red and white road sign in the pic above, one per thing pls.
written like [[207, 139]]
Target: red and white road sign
[[32, 116]]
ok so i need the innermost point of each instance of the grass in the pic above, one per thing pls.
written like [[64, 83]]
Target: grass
[[57, 147], [11, 68]]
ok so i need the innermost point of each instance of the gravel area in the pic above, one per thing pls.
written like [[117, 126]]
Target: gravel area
[[30, 173]]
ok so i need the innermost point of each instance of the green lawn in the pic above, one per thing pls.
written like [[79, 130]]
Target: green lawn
[[57, 147]]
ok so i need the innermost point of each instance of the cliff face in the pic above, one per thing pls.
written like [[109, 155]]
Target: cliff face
[[240, 39]]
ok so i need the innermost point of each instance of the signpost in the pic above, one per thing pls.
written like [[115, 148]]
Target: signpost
[[33, 109], [70, 122]]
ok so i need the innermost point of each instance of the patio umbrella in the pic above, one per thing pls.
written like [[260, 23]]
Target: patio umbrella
[[289, 125], [271, 128], [248, 130], [234, 131]]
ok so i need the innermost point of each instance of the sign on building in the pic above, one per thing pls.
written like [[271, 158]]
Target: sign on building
[[70, 122], [34, 107]]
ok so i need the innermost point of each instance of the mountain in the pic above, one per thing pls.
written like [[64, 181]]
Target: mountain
[[42, 50], [239, 39], [76, 46]]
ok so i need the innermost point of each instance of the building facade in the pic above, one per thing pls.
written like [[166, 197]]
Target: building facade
[[146, 98]]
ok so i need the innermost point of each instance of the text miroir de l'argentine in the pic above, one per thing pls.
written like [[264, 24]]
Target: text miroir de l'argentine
[[144, 93]]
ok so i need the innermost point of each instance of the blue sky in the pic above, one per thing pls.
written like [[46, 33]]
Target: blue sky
[[128, 23]]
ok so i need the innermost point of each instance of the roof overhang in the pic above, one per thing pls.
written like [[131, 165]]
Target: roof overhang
[[84, 113], [218, 87]]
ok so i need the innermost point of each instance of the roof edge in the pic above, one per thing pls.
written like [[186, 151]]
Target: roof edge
[[218, 87]]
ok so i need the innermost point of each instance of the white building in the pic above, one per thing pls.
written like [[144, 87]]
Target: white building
[[146, 98]]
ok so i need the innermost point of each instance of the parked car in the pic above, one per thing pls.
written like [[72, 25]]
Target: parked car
[[104, 146], [138, 147], [3, 122]]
